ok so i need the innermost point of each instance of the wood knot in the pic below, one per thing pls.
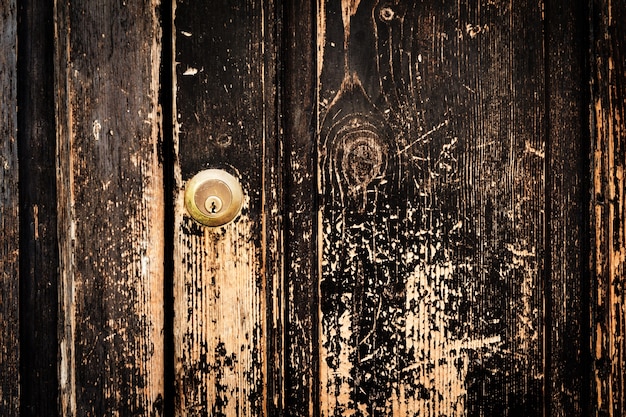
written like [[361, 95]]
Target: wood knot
[[386, 14], [363, 158], [359, 154], [357, 151]]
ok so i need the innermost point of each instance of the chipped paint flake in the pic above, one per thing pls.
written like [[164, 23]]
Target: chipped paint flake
[[441, 358], [532, 150], [96, 127]]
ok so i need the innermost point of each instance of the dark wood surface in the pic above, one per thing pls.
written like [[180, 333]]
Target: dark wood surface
[[568, 360], [608, 93], [111, 204], [228, 279], [9, 214], [432, 225], [432, 141], [301, 204], [38, 207]]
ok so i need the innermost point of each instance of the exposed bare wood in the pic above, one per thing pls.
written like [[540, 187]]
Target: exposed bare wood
[[433, 217], [431, 234], [608, 110], [228, 279], [110, 190], [9, 219]]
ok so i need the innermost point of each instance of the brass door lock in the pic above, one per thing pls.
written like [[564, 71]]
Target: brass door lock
[[213, 197]]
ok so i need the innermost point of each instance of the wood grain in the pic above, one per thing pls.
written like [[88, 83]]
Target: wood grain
[[431, 150], [433, 220], [608, 306], [301, 363], [110, 203], [39, 258], [567, 192], [9, 214], [227, 280]]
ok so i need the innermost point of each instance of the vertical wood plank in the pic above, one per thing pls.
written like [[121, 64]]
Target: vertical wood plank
[[566, 27], [227, 294], [432, 165], [110, 199], [275, 193], [608, 306], [9, 220], [300, 204], [38, 207], [503, 68]]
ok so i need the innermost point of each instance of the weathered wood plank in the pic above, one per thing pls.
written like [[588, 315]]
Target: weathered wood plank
[[9, 219], [110, 199], [567, 291], [431, 152], [38, 207], [226, 281], [299, 117], [503, 68], [274, 182], [608, 306]]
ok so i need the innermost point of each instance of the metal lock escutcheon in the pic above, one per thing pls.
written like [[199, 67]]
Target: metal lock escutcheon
[[213, 197]]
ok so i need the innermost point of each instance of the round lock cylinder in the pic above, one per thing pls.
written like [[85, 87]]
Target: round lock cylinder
[[213, 197]]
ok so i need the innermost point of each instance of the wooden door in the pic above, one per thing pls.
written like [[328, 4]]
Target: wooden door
[[432, 218]]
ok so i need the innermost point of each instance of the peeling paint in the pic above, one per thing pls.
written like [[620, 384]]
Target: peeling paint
[[96, 128]]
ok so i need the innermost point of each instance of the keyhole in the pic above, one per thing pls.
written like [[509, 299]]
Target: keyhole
[[213, 197], [213, 204]]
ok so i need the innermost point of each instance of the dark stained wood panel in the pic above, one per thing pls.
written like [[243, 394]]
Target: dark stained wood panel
[[300, 190], [38, 206], [9, 218], [227, 279], [608, 306], [433, 221], [567, 291], [110, 199], [432, 144]]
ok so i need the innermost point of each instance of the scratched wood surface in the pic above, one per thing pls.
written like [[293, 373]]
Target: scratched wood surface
[[38, 236], [300, 191], [608, 306], [432, 136], [450, 175], [567, 211], [110, 203], [9, 219], [226, 280]]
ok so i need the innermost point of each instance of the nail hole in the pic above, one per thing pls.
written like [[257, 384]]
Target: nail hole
[[224, 141], [387, 14]]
